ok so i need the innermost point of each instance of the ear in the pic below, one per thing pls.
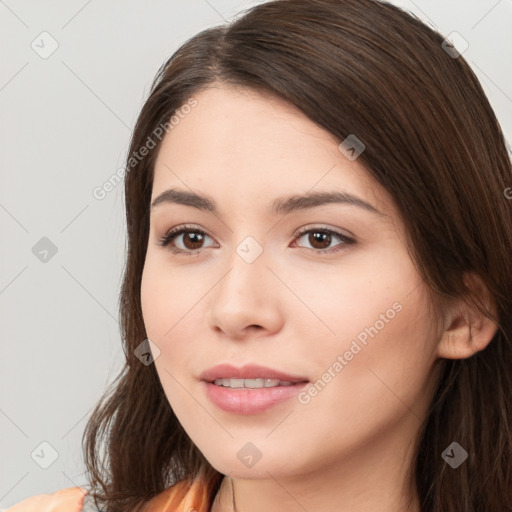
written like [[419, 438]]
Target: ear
[[467, 329]]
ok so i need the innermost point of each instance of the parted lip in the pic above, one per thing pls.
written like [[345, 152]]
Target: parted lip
[[248, 371]]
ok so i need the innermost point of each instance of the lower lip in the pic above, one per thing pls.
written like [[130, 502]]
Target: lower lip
[[250, 401]]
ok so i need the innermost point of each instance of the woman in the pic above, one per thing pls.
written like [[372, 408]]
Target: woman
[[317, 300]]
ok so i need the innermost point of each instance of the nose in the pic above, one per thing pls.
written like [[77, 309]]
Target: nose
[[247, 299]]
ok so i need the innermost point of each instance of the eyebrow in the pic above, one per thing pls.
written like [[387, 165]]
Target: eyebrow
[[280, 206]]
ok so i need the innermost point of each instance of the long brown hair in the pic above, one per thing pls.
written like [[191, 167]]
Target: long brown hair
[[431, 139]]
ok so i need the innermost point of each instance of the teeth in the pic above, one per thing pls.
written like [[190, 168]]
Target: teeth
[[251, 383]]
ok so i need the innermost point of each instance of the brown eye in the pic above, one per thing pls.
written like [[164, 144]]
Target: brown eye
[[320, 239], [192, 240]]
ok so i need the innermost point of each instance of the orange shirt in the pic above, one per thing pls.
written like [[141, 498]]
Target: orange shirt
[[183, 496]]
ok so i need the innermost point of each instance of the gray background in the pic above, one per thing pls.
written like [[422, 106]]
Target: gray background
[[66, 123]]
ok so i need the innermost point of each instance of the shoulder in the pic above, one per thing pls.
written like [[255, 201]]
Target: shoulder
[[185, 495], [64, 500]]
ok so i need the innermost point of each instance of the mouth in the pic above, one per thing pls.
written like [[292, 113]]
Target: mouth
[[251, 389], [251, 383]]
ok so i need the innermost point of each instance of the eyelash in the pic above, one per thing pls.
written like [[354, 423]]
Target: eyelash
[[165, 240]]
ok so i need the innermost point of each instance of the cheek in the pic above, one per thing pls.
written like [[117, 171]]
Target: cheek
[[378, 341], [168, 295], [163, 305], [348, 298], [377, 369], [172, 304], [366, 394]]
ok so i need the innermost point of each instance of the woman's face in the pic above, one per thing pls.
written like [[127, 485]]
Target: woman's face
[[256, 289]]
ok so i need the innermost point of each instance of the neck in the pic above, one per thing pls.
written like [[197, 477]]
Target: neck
[[373, 478]]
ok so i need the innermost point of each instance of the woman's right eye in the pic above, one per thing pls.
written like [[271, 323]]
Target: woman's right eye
[[191, 236]]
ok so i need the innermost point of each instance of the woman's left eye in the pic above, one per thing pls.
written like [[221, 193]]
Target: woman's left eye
[[194, 238], [322, 236]]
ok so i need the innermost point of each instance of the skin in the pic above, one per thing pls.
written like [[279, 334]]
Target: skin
[[293, 309]]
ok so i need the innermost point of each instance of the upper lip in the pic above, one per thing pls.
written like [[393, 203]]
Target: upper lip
[[249, 371]]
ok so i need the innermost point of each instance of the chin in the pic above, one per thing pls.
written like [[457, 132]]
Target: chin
[[242, 467]]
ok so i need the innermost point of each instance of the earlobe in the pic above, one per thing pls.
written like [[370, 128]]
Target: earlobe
[[469, 330]]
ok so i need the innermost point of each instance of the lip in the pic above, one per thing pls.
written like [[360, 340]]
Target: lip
[[249, 400], [249, 371]]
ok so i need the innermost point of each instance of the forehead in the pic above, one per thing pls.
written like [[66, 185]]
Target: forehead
[[257, 146]]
